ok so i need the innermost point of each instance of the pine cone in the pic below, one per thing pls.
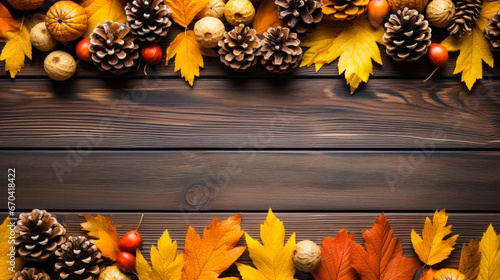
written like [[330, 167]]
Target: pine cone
[[344, 9], [301, 15], [239, 48], [113, 47], [148, 19], [39, 235], [79, 259], [407, 35], [281, 51], [466, 14], [31, 273], [492, 32]]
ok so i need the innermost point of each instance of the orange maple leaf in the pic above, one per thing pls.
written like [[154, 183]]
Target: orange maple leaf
[[429, 275], [207, 258], [7, 22], [336, 261], [267, 16], [383, 258], [105, 230]]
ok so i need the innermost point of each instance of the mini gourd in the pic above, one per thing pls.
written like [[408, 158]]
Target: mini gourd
[[66, 21]]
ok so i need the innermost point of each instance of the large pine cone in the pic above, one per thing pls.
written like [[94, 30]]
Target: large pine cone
[[79, 259], [113, 47], [466, 14], [148, 19], [344, 9], [300, 15], [407, 35], [240, 48], [492, 32], [281, 51], [39, 235], [31, 273]]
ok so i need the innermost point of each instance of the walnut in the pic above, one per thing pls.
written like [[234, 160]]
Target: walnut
[[208, 31]]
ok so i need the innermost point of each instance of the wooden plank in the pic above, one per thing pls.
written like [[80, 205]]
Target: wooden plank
[[255, 181], [312, 226], [253, 114]]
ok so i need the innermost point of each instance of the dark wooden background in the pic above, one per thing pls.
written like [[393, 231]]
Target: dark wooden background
[[299, 143]]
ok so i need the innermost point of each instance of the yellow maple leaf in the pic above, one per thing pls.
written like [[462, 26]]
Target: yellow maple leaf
[[17, 47], [354, 45], [473, 47], [184, 11], [431, 248], [188, 55], [104, 229], [99, 11], [7, 267], [470, 260], [271, 259], [490, 255], [166, 263]]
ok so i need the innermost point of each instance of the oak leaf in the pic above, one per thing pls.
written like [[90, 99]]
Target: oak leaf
[[272, 260], [355, 45], [7, 271], [470, 260], [7, 22], [17, 47], [207, 258], [184, 11], [431, 248], [473, 47], [166, 263], [266, 17], [188, 55], [383, 257], [336, 258], [490, 256], [99, 11], [103, 229]]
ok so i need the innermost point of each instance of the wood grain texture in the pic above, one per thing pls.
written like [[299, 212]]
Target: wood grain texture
[[248, 181], [252, 114]]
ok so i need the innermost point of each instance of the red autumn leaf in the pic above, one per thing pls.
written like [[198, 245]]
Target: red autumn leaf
[[383, 258]]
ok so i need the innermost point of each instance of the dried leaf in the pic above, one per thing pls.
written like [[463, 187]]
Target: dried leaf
[[383, 258], [166, 263], [17, 47], [470, 260], [101, 10], [7, 22], [7, 271], [207, 258], [429, 275], [272, 260], [104, 229], [354, 45], [266, 17], [188, 55], [336, 258], [473, 47], [431, 248], [184, 11], [490, 255]]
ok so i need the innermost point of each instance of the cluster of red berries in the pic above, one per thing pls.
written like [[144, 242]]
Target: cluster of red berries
[[130, 242]]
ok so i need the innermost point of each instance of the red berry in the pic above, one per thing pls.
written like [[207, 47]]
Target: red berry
[[130, 242], [125, 262], [438, 55], [152, 54], [82, 50]]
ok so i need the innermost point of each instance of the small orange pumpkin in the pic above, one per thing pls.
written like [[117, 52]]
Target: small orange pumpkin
[[66, 21], [26, 5]]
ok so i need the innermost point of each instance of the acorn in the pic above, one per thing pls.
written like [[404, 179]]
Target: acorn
[[306, 256], [132, 240], [125, 262]]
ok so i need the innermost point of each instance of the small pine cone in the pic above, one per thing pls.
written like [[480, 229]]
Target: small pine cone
[[344, 9], [39, 235], [407, 35], [240, 48], [281, 51], [79, 259], [300, 15], [113, 47], [31, 273], [148, 20], [466, 14], [492, 32]]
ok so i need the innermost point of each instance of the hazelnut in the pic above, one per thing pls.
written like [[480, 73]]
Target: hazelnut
[[208, 31], [239, 12], [306, 256]]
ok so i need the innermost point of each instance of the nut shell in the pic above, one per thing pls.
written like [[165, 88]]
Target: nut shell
[[239, 12], [59, 65], [113, 273], [215, 8], [26, 5], [449, 274], [440, 13], [418, 5], [208, 31], [41, 39], [306, 256], [66, 21]]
